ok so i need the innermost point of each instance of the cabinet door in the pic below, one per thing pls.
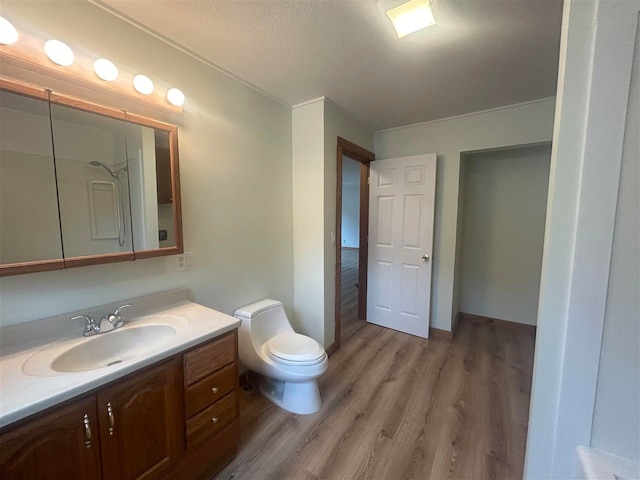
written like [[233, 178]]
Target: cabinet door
[[64, 444], [139, 424]]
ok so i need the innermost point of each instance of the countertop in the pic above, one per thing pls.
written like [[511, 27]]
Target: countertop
[[22, 393]]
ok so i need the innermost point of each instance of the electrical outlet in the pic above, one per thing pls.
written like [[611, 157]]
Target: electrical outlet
[[181, 263], [184, 261]]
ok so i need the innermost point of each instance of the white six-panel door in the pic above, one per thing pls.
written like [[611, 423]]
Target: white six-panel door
[[401, 214]]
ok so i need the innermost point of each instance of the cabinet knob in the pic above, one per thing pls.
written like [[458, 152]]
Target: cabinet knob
[[214, 389], [87, 431], [214, 419]]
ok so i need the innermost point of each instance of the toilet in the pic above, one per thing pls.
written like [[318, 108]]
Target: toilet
[[291, 363]]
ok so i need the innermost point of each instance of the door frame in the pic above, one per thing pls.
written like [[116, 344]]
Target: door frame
[[364, 157]]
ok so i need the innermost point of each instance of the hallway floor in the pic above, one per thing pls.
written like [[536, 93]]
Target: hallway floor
[[397, 406], [349, 293]]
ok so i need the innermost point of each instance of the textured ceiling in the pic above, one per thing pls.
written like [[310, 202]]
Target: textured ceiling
[[482, 53]]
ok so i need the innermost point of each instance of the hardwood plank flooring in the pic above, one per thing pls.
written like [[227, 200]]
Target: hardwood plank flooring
[[400, 407], [349, 322]]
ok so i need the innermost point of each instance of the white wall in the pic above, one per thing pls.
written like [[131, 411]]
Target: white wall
[[316, 126], [504, 208], [308, 218], [616, 419], [350, 203], [514, 125], [596, 53], [235, 165], [351, 216]]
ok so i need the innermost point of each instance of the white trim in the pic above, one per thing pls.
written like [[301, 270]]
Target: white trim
[[309, 102], [470, 114], [593, 91], [111, 10]]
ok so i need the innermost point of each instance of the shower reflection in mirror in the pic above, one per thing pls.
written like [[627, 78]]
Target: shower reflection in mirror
[[119, 200], [93, 187]]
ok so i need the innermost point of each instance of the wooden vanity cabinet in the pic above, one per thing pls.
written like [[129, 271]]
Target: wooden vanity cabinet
[[62, 444], [139, 423], [176, 419]]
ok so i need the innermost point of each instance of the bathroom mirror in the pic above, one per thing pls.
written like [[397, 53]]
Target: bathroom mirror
[[83, 184], [29, 227]]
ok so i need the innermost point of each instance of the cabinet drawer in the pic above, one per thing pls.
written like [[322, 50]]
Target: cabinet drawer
[[210, 357], [210, 389], [212, 420]]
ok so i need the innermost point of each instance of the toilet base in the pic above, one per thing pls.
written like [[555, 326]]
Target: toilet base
[[302, 398]]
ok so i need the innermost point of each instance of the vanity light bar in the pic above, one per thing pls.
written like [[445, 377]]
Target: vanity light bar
[[105, 70], [143, 84], [61, 54], [8, 33]]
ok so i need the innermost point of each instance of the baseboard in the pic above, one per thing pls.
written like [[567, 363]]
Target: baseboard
[[455, 323], [438, 333], [497, 321], [331, 349]]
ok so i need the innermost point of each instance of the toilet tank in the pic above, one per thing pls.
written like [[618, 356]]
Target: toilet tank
[[263, 320]]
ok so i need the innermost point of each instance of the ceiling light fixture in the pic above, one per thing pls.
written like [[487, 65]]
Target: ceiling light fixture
[[408, 16], [8, 33], [175, 97], [59, 53], [105, 69], [143, 84]]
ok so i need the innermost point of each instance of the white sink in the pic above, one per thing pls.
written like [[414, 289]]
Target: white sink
[[131, 342], [113, 348]]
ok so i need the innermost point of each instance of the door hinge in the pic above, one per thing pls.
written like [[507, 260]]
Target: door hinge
[[368, 180]]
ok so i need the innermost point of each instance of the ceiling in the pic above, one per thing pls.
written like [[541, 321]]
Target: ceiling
[[482, 54]]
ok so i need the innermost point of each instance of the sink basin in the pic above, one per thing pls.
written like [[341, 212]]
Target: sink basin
[[113, 348], [133, 341]]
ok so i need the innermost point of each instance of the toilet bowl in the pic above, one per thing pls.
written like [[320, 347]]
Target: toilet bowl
[[291, 363]]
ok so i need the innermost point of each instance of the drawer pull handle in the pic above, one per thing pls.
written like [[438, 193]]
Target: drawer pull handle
[[112, 419], [87, 431], [214, 389], [214, 419]]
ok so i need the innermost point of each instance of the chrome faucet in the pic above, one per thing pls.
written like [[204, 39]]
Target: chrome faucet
[[92, 327]]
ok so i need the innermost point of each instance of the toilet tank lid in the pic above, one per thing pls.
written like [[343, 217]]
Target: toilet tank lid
[[254, 309]]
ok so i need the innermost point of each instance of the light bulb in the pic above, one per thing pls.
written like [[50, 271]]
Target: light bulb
[[58, 52], [175, 97], [143, 84], [8, 33], [105, 69]]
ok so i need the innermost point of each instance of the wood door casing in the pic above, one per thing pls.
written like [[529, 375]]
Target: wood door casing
[[54, 446], [146, 418], [364, 157]]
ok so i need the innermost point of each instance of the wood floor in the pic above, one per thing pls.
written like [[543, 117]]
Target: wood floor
[[400, 407], [349, 294]]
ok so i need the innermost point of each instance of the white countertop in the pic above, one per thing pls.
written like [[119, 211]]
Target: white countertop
[[22, 393]]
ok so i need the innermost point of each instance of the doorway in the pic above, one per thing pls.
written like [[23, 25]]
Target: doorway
[[501, 215], [352, 226]]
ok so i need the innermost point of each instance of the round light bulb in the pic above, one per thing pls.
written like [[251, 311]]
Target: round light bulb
[[58, 52], [8, 33], [175, 97], [143, 84], [105, 69]]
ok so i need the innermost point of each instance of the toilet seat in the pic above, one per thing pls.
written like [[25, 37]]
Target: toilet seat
[[294, 349]]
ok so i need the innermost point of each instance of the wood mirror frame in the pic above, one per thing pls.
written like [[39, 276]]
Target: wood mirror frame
[[83, 105]]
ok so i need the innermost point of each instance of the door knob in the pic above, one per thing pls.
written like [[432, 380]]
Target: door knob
[[425, 258]]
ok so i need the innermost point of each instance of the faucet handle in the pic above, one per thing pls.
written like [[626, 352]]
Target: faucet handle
[[118, 313], [116, 317], [90, 327]]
